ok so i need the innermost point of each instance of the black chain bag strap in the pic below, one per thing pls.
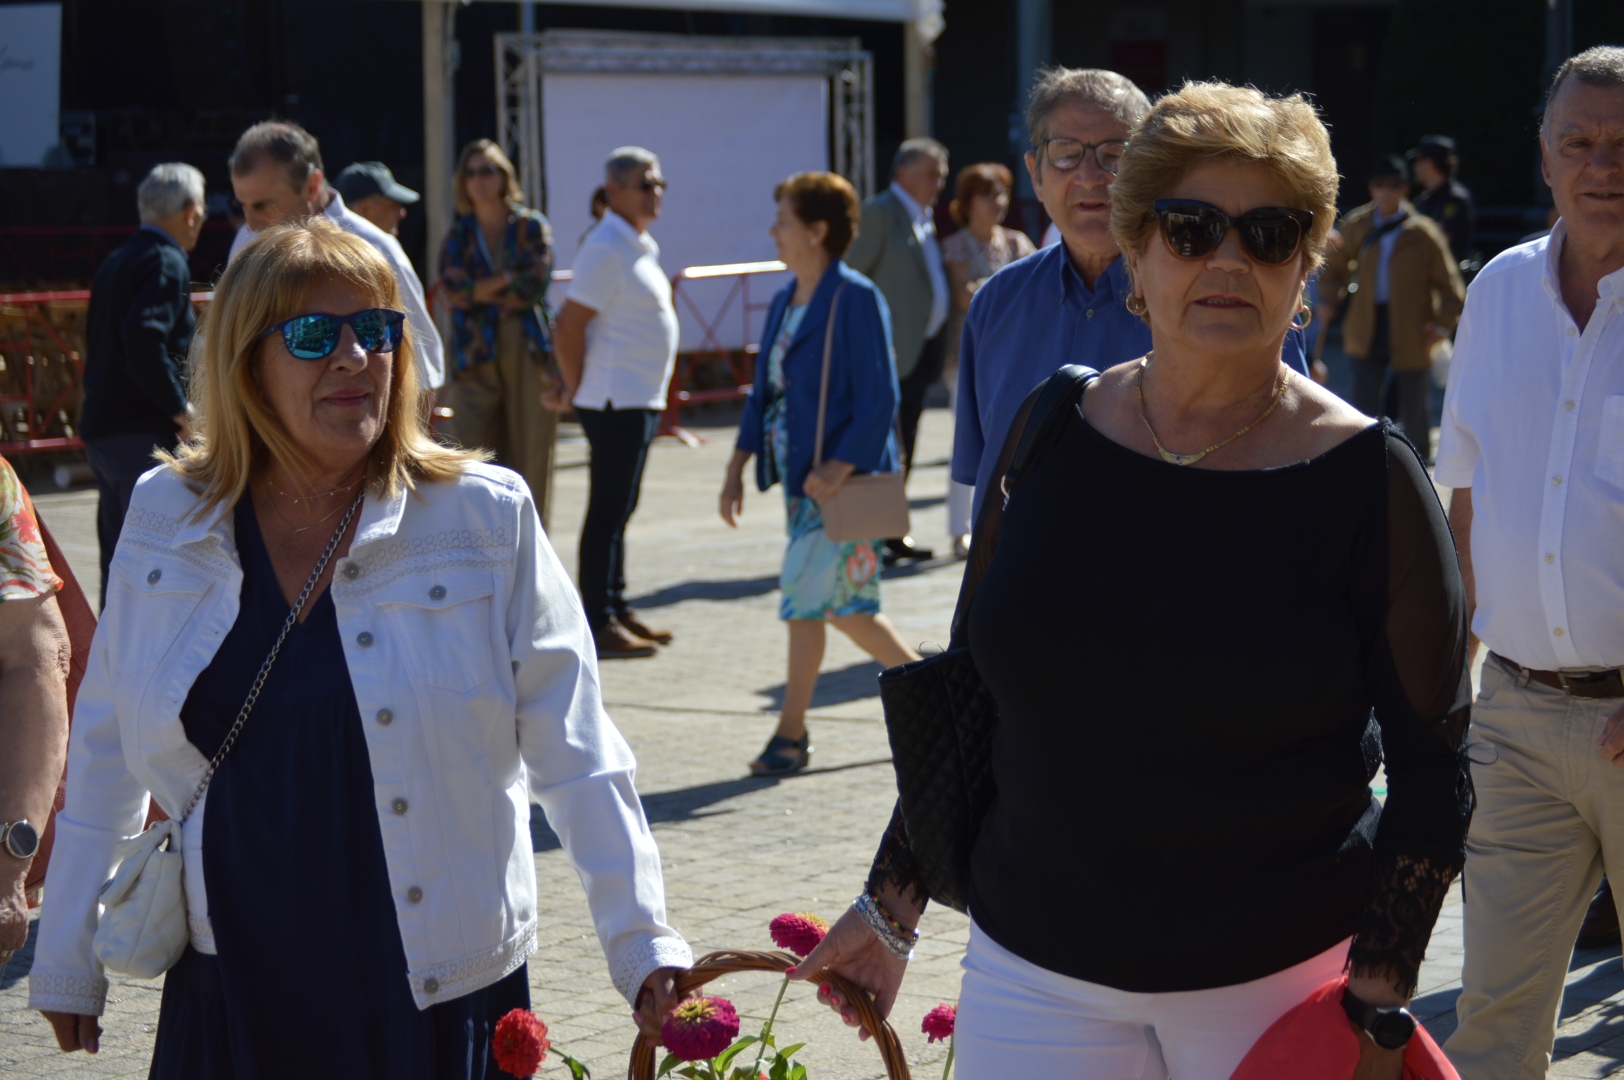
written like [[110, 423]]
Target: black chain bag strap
[[939, 714]]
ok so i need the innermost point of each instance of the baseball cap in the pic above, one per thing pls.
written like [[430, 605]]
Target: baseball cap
[[1436, 148], [1390, 165], [372, 178]]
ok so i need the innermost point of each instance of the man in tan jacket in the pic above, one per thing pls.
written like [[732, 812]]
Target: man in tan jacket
[[1404, 295]]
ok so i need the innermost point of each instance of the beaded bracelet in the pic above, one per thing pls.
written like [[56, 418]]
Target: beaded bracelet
[[899, 941]]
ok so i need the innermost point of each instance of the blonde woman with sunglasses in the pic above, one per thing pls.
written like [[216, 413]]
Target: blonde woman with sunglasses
[[1185, 844], [346, 659]]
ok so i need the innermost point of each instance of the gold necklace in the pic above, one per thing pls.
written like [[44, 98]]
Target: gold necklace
[[297, 499], [297, 529], [1190, 459]]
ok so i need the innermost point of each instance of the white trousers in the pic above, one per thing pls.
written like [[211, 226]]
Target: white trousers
[[1020, 1020]]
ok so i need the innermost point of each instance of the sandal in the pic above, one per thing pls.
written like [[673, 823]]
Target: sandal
[[783, 756]]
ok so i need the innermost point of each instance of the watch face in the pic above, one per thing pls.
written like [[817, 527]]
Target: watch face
[[1393, 1028], [22, 840]]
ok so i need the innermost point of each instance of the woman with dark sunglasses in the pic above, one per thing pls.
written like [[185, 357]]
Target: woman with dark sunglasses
[[368, 636], [1185, 843]]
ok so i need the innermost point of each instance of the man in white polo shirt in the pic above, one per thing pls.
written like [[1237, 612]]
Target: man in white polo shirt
[[1533, 444], [276, 174], [616, 342]]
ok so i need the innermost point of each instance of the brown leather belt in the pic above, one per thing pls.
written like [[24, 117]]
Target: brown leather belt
[[1588, 684]]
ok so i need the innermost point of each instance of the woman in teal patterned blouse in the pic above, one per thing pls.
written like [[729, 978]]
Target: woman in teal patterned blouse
[[495, 269]]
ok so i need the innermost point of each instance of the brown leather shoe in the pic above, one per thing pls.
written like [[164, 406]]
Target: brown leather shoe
[[615, 642], [631, 622], [1600, 929]]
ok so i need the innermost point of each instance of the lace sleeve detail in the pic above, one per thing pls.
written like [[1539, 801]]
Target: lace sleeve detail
[[894, 863], [1405, 898]]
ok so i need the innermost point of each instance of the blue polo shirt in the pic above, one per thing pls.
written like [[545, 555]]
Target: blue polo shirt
[[1030, 319]]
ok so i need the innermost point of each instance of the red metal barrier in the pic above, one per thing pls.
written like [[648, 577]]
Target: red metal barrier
[[41, 383], [736, 365]]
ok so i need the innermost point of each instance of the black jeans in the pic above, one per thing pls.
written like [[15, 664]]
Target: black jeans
[[1411, 391], [118, 462], [620, 440], [932, 359]]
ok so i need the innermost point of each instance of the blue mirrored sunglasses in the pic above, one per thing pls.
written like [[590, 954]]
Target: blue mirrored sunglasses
[[315, 336]]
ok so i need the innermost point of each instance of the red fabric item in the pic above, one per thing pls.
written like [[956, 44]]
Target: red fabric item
[[1314, 1041]]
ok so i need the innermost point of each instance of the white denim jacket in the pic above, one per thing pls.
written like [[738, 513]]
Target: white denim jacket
[[478, 689]]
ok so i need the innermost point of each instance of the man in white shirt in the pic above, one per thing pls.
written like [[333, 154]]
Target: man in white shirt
[[897, 249], [276, 173], [616, 343], [1533, 444]]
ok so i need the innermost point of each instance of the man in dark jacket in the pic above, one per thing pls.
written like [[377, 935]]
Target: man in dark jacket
[[1443, 198], [137, 335]]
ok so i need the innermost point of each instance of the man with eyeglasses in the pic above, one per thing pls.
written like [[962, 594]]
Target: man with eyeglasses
[[276, 174], [1065, 304], [1404, 295], [616, 343]]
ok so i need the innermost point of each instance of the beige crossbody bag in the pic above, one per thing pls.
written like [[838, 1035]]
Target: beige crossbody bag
[[869, 506]]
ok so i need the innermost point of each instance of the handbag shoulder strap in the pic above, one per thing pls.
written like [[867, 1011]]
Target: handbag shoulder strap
[[1038, 421], [823, 383]]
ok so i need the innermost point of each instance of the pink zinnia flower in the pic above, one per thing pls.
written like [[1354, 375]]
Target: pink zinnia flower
[[520, 1043], [700, 1028], [798, 932], [938, 1023]]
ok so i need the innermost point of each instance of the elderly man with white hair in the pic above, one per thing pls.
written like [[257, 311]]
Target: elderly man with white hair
[[136, 338], [616, 343]]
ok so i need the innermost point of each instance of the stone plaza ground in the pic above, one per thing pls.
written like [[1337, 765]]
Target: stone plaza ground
[[737, 851]]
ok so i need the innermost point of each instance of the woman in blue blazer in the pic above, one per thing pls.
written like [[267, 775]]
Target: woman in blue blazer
[[822, 580]]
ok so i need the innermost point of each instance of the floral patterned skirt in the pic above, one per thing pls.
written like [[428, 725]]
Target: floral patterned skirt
[[822, 578]]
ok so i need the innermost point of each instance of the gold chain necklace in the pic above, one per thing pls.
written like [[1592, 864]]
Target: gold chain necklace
[[1190, 459]]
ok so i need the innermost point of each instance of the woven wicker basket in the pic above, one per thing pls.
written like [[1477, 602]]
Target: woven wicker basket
[[717, 964]]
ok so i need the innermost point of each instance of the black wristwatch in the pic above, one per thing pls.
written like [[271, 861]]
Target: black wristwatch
[[1388, 1027], [20, 838]]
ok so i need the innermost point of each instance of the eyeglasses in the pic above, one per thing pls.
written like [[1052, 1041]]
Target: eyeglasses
[[1067, 154], [1271, 235], [483, 170], [653, 183], [315, 336]]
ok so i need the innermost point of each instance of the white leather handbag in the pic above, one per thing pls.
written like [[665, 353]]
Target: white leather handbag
[[142, 931]]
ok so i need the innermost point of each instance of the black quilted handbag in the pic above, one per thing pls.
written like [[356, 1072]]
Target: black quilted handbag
[[938, 712]]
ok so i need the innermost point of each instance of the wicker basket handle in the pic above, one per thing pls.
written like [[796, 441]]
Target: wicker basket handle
[[717, 964]]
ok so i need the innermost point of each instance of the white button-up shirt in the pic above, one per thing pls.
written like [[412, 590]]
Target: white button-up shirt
[[426, 344], [1534, 424], [924, 227], [631, 344]]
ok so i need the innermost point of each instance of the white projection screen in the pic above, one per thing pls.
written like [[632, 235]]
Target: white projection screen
[[724, 142]]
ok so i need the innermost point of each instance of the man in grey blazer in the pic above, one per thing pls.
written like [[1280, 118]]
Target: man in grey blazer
[[896, 248]]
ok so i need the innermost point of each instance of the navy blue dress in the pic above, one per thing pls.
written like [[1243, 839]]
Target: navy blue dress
[[310, 976]]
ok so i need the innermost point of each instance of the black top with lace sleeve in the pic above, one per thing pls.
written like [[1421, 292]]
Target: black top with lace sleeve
[[1186, 662]]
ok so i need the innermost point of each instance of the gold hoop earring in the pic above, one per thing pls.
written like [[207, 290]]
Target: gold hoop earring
[[1295, 325], [1136, 305]]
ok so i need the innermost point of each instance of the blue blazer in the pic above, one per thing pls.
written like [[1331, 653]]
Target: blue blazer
[[863, 396]]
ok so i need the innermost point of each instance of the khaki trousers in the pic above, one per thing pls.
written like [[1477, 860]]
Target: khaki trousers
[[496, 406], [1550, 815]]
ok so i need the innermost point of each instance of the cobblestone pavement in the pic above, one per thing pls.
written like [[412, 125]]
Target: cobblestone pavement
[[737, 851]]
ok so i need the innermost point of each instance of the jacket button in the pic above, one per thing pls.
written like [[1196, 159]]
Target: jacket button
[[364, 639], [385, 717], [153, 578], [431, 986], [398, 806], [414, 895], [437, 593], [351, 571]]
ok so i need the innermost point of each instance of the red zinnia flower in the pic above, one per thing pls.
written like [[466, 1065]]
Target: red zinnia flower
[[797, 932], [520, 1043], [939, 1023], [700, 1028]]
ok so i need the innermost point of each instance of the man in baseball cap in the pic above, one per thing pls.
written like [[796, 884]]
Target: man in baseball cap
[[1443, 198], [372, 191]]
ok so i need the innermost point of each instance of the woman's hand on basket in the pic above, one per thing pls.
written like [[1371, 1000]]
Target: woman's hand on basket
[[853, 951], [656, 999]]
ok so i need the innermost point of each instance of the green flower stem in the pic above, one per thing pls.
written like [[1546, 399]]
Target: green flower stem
[[767, 1030], [948, 1071]]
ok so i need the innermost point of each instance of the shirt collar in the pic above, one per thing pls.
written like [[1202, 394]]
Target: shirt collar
[[380, 520], [622, 228], [918, 214], [162, 232], [336, 209], [1608, 288], [1109, 286]]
